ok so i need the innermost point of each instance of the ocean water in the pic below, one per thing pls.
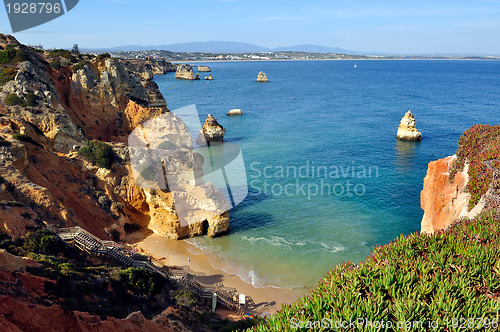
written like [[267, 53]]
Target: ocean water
[[327, 178]]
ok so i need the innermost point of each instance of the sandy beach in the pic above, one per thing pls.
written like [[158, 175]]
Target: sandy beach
[[176, 253]]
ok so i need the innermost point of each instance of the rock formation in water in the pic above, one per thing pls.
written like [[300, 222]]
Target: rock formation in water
[[211, 131], [204, 69], [209, 77], [235, 111], [184, 72], [49, 111], [262, 77], [197, 76], [407, 130]]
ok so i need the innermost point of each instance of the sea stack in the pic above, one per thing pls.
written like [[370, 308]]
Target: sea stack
[[209, 77], [261, 77], [407, 130], [235, 111], [211, 131], [204, 68], [184, 72]]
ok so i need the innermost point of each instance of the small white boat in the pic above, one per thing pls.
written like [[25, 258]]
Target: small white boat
[[355, 66]]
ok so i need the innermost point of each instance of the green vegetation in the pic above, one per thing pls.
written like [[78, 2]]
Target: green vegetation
[[12, 55], [103, 56], [27, 139], [43, 241], [31, 99], [63, 53], [7, 74], [81, 282], [56, 64], [480, 147], [98, 153], [14, 100], [80, 65], [449, 275], [142, 280]]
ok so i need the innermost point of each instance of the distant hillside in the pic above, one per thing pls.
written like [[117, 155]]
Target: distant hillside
[[231, 47]]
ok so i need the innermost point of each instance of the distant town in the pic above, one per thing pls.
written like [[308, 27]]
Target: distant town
[[267, 56], [199, 56]]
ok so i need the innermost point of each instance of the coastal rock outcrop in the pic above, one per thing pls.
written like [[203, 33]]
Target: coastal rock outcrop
[[184, 72], [204, 69], [43, 179], [211, 131], [235, 111], [262, 77], [443, 201], [407, 130], [209, 77]]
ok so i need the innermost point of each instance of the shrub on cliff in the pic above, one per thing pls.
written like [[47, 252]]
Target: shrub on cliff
[[103, 56], [451, 277], [43, 241], [7, 74], [55, 64], [142, 280], [98, 153], [12, 55], [14, 100], [79, 65], [480, 147], [63, 53]]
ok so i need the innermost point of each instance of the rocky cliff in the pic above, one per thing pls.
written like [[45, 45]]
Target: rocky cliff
[[463, 185], [184, 72], [407, 130], [54, 104]]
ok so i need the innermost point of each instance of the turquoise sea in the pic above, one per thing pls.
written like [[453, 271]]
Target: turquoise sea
[[327, 178]]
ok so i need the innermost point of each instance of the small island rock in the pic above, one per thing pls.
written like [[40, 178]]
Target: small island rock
[[235, 111], [262, 77], [204, 69], [211, 131], [184, 72], [407, 130], [209, 77]]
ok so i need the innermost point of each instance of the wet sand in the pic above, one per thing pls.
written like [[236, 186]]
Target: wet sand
[[175, 254]]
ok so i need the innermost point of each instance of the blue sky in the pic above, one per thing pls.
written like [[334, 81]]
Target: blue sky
[[403, 26]]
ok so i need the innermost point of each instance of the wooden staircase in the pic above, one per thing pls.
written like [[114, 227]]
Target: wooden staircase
[[91, 244]]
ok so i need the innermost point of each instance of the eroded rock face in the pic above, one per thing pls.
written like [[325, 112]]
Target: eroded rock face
[[211, 131], [407, 130], [204, 69], [47, 182], [184, 72], [262, 77], [443, 201]]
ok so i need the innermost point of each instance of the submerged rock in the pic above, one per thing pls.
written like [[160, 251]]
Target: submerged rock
[[262, 77], [211, 131], [184, 72], [407, 130], [235, 111]]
